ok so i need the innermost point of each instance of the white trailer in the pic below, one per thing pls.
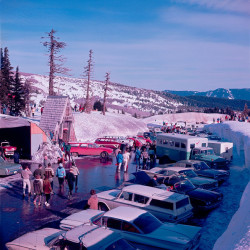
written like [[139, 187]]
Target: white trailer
[[223, 149]]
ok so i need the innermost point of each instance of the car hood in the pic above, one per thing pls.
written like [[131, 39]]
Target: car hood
[[36, 239], [213, 172], [109, 195], [201, 180], [176, 233], [203, 194], [9, 165], [214, 158]]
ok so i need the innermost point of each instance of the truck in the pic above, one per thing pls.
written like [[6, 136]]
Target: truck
[[223, 149], [207, 155]]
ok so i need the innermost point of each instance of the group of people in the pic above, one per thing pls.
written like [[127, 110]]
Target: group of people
[[44, 180], [144, 157]]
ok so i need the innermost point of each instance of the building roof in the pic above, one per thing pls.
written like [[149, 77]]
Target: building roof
[[181, 136], [125, 213], [53, 112]]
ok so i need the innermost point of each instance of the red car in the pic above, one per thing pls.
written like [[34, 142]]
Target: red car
[[108, 142], [8, 150], [82, 148]]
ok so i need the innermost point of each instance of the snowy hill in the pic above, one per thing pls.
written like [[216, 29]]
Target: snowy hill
[[120, 97], [242, 94]]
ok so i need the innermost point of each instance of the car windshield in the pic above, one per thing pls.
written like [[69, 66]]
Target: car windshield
[[5, 144], [147, 223], [188, 173], [207, 152], [184, 186], [201, 165], [120, 244]]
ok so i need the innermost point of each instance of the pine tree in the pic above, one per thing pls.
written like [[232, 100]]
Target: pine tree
[[245, 111], [55, 61], [6, 85], [18, 95], [88, 72], [105, 92]]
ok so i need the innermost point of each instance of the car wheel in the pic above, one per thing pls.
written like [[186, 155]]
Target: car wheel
[[104, 154], [103, 207], [75, 154]]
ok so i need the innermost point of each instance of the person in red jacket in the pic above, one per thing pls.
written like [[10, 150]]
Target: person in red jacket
[[47, 190]]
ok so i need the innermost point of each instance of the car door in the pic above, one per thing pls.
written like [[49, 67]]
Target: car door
[[83, 149]]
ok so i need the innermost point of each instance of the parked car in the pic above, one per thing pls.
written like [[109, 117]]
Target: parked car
[[120, 139], [82, 148], [170, 170], [83, 237], [201, 199], [7, 148], [108, 143], [165, 205], [140, 228], [9, 168], [203, 170], [137, 141]]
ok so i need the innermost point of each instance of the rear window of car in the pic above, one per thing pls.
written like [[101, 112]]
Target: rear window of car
[[74, 145], [182, 203], [140, 199], [162, 204], [126, 196]]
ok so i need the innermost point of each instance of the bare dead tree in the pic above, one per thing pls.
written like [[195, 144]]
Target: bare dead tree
[[88, 72], [55, 61], [105, 92]]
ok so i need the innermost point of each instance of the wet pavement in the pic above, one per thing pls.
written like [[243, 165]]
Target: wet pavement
[[19, 216]]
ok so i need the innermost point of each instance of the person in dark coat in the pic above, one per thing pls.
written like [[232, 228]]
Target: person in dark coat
[[38, 190], [70, 178], [16, 157]]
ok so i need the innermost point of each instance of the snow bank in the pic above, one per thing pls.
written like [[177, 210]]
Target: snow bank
[[236, 132], [88, 127], [237, 235], [52, 152], [190, 117]]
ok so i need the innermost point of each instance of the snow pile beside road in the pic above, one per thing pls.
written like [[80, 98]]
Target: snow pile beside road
[[89, 127], [237, 235], [52, 152], [190, 117], [236, 132]]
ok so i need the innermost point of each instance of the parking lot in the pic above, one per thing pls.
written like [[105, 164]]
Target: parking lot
[[19, 216]]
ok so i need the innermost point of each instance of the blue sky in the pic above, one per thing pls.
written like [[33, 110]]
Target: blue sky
[[153, 44]]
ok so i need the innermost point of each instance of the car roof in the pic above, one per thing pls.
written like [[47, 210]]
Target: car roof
[[125, 213], [153, 192], [187, 161], [177, 168], [91, 235], [34, 239], [83, 216]]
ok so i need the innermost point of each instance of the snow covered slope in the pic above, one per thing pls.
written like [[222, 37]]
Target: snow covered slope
[[130, 99]]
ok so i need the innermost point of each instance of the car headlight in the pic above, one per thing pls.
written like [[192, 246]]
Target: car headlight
[[208, 203]]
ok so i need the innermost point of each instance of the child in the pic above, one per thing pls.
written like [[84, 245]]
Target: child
[[47, 190]]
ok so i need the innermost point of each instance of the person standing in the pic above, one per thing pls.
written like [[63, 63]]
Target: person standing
[[49, 173], [144, 158], [60, 174], [126, 156], [16, 157], [38, 190], [47, 189], [138, 157], [39, 173], [76, 173], [67, 151], [70, 178], [25, 174], [119, 159], [93, 200], [45, 161]]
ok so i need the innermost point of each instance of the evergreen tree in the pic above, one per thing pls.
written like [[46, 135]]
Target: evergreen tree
[[18, 95], [6, 85], [105, 92], [245, 111], [55, 61]]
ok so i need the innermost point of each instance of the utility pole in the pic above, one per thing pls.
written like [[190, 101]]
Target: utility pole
[[105, 92]]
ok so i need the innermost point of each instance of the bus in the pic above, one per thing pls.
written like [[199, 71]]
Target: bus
[[176, 147]]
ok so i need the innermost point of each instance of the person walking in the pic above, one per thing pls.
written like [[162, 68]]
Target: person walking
[[25, 174], [38, 190], [144, 158], [39, 173], [93, 200], [126, 156], [60, 174], [119, 159], [45, 161], [70, 179], [138, 157], [76, 173], [47, 189], [49, 172]]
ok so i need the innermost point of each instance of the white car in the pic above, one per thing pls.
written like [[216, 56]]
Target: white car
[[82, 237], [139, 227], [165, 205]]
